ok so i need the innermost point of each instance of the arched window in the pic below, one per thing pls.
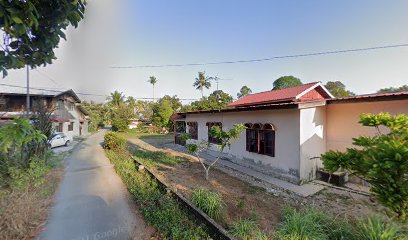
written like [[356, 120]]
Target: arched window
[[193, 130], [210, 138], [260, 138]]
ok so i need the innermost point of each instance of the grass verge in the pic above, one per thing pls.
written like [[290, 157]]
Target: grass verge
[[158, 208], [154, 159]]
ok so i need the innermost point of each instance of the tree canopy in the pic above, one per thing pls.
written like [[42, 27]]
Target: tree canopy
[[32, 30], [216, 100], [338, 89], [286, 82], [162, 111], [244, 91], [393, 89]]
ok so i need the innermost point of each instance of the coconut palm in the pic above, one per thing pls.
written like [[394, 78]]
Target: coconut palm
[[202, 82], [116, 98], [152, 80]]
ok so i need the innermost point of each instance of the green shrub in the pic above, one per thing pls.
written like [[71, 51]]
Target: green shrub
[[375, 228], [114, 141], [210, 202], [247, 229], [158, 208], [21, 178], [381, 160]]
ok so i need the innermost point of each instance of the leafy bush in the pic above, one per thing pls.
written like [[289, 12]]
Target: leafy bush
[[158, 208], [247, 229], [114, 141], [210, 202], [375, 227], [381, 160], [21, 178]]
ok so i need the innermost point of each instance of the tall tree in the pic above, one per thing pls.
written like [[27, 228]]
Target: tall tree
[[174, 101], [217, 100], [152, 80], [393, 89], [32, 30], [338, 89], [162, 111], [286, 82], [245, 91], [116, 98], [202, 82]]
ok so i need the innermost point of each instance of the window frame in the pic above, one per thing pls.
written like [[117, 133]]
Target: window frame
[[194, 133], [260, 139], [71, 127]]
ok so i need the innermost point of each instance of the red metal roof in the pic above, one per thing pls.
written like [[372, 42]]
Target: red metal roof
[[403, 94], [287, 94]]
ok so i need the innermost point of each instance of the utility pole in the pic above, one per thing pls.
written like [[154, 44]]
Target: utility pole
[[28, 91]]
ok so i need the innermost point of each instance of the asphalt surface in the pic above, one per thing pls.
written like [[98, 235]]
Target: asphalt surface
[[92, 202]]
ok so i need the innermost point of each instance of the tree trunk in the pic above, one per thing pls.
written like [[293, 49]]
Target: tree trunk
[[207, 171]]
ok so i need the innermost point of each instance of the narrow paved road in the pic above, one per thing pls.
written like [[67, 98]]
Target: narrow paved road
[[92, 202]]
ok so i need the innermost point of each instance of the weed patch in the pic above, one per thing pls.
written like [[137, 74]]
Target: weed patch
[[210, 202], [158, 208], [247, 229]]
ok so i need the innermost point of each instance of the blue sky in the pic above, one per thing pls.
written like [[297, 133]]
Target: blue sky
[[125, 32]]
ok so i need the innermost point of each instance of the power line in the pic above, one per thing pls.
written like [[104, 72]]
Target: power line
[[83, 94], [268, 59]]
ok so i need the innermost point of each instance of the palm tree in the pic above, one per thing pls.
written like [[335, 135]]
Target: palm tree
[[152, 80], [202, 82], [116, 98]]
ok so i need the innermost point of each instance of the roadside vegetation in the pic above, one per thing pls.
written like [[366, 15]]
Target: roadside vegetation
[[158, 208], [29, 176]]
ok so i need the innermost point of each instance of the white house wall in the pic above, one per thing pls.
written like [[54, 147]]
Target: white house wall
[[312, 140], [342, 120], [285, 164]]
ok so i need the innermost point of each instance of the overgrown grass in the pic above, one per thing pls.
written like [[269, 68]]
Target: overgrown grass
[[210, 202], [247, 229], [375, 228], [27, 196], [158, 208], [313, 224], [153, 159]]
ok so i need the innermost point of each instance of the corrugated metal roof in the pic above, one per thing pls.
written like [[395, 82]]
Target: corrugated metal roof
[[285, 94]]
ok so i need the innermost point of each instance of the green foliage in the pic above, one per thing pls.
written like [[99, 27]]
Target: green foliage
[[226, 138], [217, 100], [210, 202], [97, 113], [116, 98], [17, 134], [245, 91], [247, 229], [158, 208], [393, 89], [381, 160], [338, 89], [113, 141], [21, 178], [162, 112], [375, 228], [152, 80], [202, 82], [174, 102], [313, 224], [121, 117], [286, 82], [32, 29], [154, 159]]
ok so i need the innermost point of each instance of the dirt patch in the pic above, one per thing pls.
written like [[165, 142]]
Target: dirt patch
[[24, 213], [249, 198]]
